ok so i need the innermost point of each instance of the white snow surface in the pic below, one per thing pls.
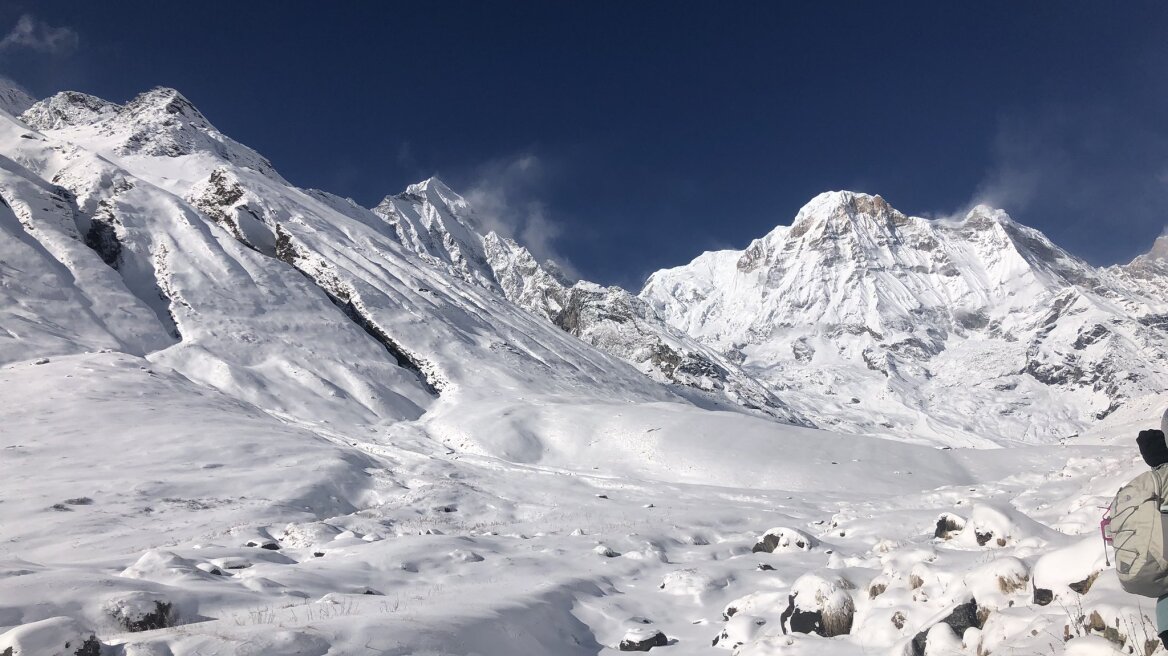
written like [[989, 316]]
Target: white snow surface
[[246, 418]]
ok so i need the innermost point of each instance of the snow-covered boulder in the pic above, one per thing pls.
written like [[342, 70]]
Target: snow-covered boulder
[[820, 604], [141, 611], [954, 621], [739, 630], [1000, 583], [1073, 568], [782, 539], [56, 636], [308, 535], [690, 582], [996, 527], [639, 639], [948, 525], [755, 603], [165, 566]]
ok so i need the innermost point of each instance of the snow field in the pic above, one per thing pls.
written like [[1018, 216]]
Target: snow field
[[399, 543]]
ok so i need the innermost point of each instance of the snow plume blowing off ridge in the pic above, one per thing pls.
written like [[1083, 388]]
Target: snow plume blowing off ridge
[[1042, 157], [505, 196]]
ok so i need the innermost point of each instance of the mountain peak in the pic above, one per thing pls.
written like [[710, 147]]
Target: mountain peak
[[432, 185], [982, 216], [846, 205], [166, 103], [67, 109], [432, 182]]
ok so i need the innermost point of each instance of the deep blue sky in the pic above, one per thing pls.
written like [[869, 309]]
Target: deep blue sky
[[629, 136]]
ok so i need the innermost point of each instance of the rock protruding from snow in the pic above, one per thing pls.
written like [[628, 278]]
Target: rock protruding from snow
[[947, 631], [639, 639], [948, 525], [781, 540], [1067, 573], [820, 604]]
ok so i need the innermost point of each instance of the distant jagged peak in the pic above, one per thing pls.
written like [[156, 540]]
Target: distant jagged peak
[[14, 99], [68, 109]]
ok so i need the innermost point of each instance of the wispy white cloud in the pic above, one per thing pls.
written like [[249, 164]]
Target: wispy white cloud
[[32, 33], [506, 196]]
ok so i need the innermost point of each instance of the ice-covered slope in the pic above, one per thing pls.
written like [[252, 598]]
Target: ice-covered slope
[[965, 330]]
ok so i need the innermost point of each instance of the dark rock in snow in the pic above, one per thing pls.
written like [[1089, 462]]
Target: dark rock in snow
[[1043, 596], [643, 641], [1084, 586], [963, 617], [947, 526], [162, 617]]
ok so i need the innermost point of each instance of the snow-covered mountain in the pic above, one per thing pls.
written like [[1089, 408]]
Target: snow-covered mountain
[[440, 227], [963, 329], [246, 418]]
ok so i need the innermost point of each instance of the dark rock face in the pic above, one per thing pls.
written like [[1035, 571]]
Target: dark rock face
[[343, 296], [103, 239], [658, 639], [963, 617]]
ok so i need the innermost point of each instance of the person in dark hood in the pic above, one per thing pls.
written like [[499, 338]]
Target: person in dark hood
[[1153, 447], [1155, 452]]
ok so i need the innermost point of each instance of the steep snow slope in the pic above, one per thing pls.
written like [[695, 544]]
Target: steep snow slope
[[268, 291], [440, 227], [13, 99], [966, 331], [236, 322]]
